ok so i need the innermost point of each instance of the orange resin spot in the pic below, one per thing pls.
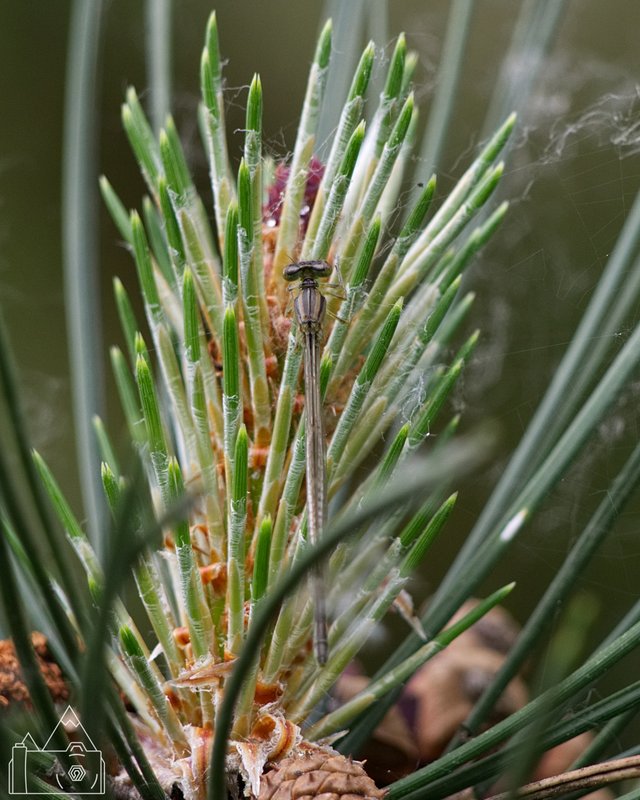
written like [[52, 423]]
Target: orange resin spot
[[173, 699], [258, 457], [215, 575], [267, 693], [263, 728], [182, 637]]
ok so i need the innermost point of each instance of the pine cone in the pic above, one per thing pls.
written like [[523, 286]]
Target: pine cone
[[13, 690], [318, 774]]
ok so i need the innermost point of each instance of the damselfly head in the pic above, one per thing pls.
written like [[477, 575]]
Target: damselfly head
[[307, 269]]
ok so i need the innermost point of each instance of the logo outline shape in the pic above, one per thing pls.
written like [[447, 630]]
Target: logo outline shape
[[81, 750]]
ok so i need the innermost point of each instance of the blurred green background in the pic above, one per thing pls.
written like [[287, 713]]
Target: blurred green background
[[571, 176]]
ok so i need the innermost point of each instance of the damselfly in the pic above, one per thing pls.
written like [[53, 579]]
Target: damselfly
[[309, 306]]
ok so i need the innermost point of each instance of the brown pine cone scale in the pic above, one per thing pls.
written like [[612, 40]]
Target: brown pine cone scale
[[13, 690], [320, 774]]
